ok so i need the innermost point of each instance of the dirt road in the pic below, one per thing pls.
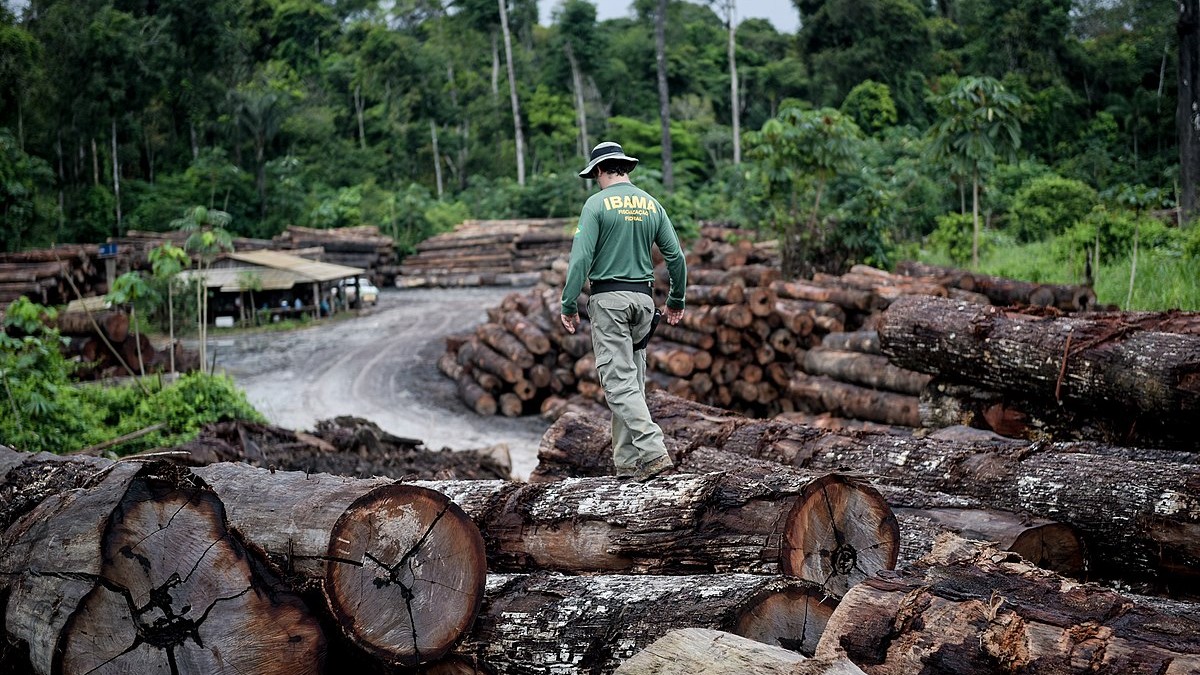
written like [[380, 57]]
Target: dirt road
[[380, 366]]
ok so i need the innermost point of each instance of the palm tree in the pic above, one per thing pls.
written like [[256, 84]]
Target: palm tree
[[166, 261], [977, 125]]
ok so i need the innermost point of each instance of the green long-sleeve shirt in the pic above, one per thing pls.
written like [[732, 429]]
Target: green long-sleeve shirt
[[617, 228]]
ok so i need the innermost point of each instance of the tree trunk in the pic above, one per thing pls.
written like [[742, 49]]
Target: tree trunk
[[1003, 291], [580, 109], [512, 90], [863, 342], [116, 174], [469, 391], [507, 344], [664, 94], [1141, 376], [437, 157], [564, 622], [401, 567], [115, 324], [975, 220], [834, 533], [359, 104], [531, 336], [1137, 508], [735, 108], [868, 370], [822, 394], [1187, 112], [132, 568], [688, 651], [973, 610], [495, 70], [828, 529]]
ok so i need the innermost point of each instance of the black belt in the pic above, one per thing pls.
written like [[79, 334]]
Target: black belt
[[609, 286]]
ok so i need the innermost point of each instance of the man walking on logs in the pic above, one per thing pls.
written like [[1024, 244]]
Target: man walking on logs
[[612, 246]]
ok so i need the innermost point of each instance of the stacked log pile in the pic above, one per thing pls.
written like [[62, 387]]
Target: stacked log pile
[[362, 246], [749, 341], [103, 346], [1004, 292], [488, 253], [226, 569], [45, 276]]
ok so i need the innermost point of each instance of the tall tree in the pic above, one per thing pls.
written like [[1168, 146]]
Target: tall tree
[[512, 90], [977, 125], [735, 108], [664, 94], [1187, 114], [576, 21]]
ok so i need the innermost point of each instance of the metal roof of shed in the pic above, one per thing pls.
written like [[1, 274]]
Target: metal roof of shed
[[272, 271], [309, 270]]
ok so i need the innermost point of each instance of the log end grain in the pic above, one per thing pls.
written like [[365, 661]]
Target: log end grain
[[178, 593], [793, 618], [412, 573], [840, 532]]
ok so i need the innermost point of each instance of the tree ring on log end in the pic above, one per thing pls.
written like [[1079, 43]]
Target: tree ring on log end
[[178, 593], [1054, 546], [840, 531], [793, 618], [406, 574]]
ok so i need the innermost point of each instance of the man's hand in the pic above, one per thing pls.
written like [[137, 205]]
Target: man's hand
[[674, 316], [570, 321]]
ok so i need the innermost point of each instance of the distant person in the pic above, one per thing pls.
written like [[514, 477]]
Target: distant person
[[324, 307], [617, 229]]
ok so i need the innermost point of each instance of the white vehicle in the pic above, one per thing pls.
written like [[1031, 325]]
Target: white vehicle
[[370, 294]]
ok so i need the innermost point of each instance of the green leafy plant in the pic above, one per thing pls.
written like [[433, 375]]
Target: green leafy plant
[[1049, 205]]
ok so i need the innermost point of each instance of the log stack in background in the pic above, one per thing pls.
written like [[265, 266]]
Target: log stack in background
[[362, 246], [488, 253], [45, 275], [749, 341]]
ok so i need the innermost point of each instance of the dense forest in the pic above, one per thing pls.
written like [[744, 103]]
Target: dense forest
[[881, 128]]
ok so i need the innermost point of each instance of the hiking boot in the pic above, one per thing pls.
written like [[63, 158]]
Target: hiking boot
[[655, 467]]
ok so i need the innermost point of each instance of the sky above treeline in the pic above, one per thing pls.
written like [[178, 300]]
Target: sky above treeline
[[781, 13]]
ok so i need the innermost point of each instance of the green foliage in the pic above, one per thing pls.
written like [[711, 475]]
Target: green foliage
[[1049, 205], [952, 238], [870, 105], [1112, 230], [20, 178], [186, 405]]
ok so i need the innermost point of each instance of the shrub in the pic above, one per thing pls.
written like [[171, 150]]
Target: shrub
[[1049, 205], [953, 236]]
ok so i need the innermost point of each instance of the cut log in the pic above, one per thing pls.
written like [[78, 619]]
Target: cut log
[[822, 394], [865, 342], [702, 651], [833, 530], [136, 571], [847, 298], [478, 354], [975, 610], [511, 405], [1003, 291], [794, 318], [685, 336], [1138, 509], [530, 335], [1144, 376], [114, 324], [869, 370], [400, 566], [507, 344], [715, 295], [562, 623]]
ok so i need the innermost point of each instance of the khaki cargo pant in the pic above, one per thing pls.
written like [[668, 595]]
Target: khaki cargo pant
[[619, 319]]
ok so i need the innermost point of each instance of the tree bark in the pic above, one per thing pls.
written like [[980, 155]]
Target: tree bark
[[400, 566], [1187, 112], [1085, 364], [1003, 291], [115, 324], [127, 567], [823, 394], [1137, 509], [863, 342], [664, 94], [835, 532], [868, 370], [512, 90], [972, 610], [688, 651], [563, 623]]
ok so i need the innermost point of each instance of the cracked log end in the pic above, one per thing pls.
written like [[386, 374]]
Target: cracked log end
[[176, 593], [407, 573], [793, 618], [840, 532]]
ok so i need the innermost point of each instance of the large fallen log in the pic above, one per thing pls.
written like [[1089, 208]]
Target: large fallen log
[[689, 651], [828, 529], [401, 567], [870, 370], [1137, 508], [973, 610], [549, 623], [1148, 377], [132, 568]]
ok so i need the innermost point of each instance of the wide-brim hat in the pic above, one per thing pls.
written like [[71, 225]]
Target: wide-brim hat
[[603, 151]]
